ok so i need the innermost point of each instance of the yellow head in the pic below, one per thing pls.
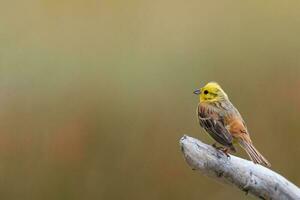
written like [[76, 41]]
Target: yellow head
[[211, 92]]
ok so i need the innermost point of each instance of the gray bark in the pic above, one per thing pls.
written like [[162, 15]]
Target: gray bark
[[243, 174]]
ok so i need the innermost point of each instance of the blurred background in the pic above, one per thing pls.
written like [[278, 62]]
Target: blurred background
[[95, 95]]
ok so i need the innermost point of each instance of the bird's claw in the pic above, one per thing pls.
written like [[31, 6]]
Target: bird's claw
[[222, 149]]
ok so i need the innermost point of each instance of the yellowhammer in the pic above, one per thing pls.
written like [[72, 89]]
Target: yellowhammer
[[223, 121]]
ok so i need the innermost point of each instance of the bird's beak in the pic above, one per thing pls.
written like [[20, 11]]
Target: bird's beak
[[197, 92]]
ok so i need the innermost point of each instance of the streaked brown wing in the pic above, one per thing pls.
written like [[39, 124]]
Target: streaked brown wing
[[214, 125]]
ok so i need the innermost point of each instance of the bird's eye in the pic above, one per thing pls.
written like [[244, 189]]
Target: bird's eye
[[205, 92]]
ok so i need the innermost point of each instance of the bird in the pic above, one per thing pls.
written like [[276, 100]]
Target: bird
[[218, 117]]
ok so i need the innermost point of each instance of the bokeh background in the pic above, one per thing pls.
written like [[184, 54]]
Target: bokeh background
[[95, 95]]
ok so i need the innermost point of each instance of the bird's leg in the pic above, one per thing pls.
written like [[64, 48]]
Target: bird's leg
[[215, 145], [225, 150]]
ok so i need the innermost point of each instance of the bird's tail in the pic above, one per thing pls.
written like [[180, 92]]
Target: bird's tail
[[253, 153]]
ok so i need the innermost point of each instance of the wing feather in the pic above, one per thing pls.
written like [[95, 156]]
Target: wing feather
[[213, 123]]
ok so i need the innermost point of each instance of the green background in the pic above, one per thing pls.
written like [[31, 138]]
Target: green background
[[95, 95]]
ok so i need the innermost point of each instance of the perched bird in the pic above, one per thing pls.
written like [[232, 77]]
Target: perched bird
[[224, 123]]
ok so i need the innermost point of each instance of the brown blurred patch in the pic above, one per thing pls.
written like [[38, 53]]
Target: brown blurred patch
[[67, 145]]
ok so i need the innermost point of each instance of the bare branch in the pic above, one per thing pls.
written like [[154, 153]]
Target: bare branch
[[243, 174]]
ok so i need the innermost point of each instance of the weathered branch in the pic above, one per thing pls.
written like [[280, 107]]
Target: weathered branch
[[243, 174]]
